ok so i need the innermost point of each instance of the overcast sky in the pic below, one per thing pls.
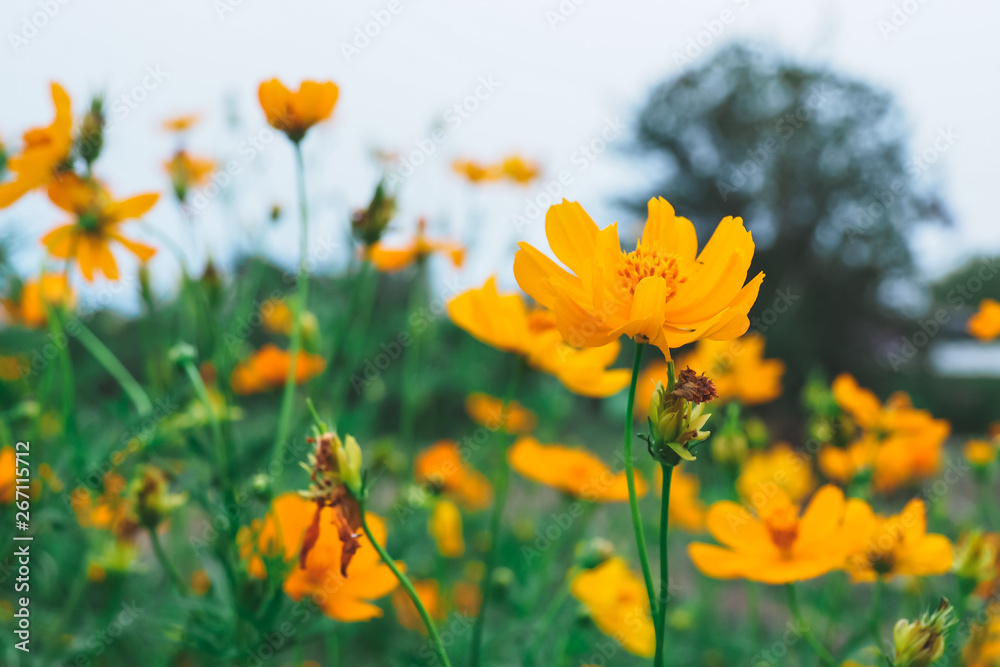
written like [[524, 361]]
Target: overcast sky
[[550, 77]]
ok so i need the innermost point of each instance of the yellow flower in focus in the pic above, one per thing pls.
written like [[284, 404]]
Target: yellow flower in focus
[[618, 605], [909, 441], [52, 290], [429, 593], [200, 582], [489, 412], [267, 369], [980, 453], [344, 598], [778, 546], [686, 511], [98, 220], [295, 112], [574, 471], [390, 260], [445, 526], [664, 292], [889, 546], [441, 466], [188, 172], [779, 467], [502, 321], [181, 123], [476, 172], [46, 150], [985, 323]]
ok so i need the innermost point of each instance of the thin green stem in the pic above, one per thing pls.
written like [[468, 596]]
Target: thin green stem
[[110, 362], [753, 610], [546, 620], [298, 306], [175, 576], [661, 605], [221, 447], [496, 519], [633, 500], [793, 608], [410, 590], [876, 615], [411, 368], [55, 321]]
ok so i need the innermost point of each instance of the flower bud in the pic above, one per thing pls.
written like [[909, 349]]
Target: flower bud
[[677, 415], [153, 500], [591, 553], [976, 557], [921, 643], [368, 224], [334, 463], [729, 448], [91, 139]]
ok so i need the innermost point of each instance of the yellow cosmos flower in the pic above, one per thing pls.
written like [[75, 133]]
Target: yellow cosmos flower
[[45, 150], [52, 290], [843, 464], [295, 112], [686, 511], [779, 467], [503, 321], [187, 171], [267, 369], [618, 605], [889, 546], [441, 466], [429, 593], [520, 170], [664, 292], [571, 470], [980, 453], [985, 323], [778, 546], [983, 648], [445, 526], [345, 598], [488, 411], [98, 223], [181, 123], [390, 260], [909, 441], [476, 172]]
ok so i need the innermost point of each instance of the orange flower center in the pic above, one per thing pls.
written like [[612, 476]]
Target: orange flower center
[[782, 525], [647, 263]]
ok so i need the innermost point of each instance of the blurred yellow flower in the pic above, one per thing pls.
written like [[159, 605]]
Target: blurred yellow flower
[[390, 260], [520, 170], [985, 323], [442, 467], [686, 511], [983, 647], [187, 171], [889, 546], [503, 321], [843, 464], [779, 467], [980, 453], [342, 597], [488, 411], [909, 441], [29, 308], [778, 546], [200, 582], [45, 152], [572, 470], [664, 292], [295, 112], [476, 172], [445, 526], [8, 475], [429, 593], [617, 602], [181, 123], [98, 220], [113, 510], [267, 369]]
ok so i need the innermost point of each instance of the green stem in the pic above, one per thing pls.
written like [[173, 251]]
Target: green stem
[[55, 320], [633, 500], [410, 590], [221, 447], [793, 608], [753, 610], [107, 359], [411, 362], [661, 606], [546, 620], [496, 517], [876, 616], [171, 570], [298, 305]]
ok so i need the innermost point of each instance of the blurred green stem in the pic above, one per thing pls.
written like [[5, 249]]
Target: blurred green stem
[[110, 362], [546, 620], [298, 306], [661, 604], [633, 500], [175, 576], [55, 321], [496, 517], [410, 590], [411, 369], [876, 616], [225, 463], [793, 608]]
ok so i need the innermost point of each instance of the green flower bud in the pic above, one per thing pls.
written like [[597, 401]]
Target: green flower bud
[[677, 415], [921, 643]]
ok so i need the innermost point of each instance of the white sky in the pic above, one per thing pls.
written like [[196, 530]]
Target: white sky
[[558, 88]]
